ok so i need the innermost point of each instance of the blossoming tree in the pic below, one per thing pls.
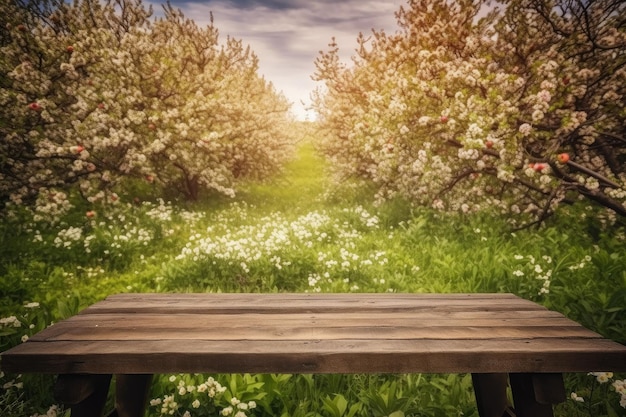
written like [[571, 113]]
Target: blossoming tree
[[94, 94], [468, 107]]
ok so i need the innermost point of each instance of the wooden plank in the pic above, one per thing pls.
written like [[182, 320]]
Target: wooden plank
[[303, 332], [289, 303], [422, 318], [547, 329], [263, 297], [304, 298], [185, 320], [424, 315], [318, 356], [253, 300], [199, 308]]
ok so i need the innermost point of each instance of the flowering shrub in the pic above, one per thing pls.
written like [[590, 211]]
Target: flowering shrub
[[517, 110], [590, 401], [196, 396], [277, 246], [20, 394], [94, 95], [539, 272]]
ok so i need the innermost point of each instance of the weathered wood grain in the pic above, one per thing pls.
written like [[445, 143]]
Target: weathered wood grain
[[315, 333]]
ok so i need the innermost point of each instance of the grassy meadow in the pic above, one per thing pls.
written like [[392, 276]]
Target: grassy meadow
[[303, 232]]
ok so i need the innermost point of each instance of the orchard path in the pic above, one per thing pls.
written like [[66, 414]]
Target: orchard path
[[301, 186]]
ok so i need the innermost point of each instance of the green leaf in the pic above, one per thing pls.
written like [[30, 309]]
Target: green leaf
[[356, 408], [611, 411], [341, 403], [332, 405]]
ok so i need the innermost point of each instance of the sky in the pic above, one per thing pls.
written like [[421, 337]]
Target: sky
[[287, 35]]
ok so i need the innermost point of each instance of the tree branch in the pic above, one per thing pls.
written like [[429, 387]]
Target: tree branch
[[594, 174]]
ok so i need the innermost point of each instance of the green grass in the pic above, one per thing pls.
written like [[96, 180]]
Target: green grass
[[303, 233], [301, 185]]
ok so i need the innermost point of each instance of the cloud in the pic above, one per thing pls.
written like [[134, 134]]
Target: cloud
[[287, 35]]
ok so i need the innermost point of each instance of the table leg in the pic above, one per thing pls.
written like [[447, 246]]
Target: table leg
[[534, 394], [491, 398], [85, 394], [131, 395]]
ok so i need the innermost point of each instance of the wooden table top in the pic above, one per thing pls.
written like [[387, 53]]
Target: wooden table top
[[315, 333]]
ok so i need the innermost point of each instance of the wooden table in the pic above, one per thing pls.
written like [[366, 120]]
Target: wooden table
[[498, 338]]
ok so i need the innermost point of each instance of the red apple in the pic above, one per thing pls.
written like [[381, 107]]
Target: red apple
[[90, 214], [444, 119], [34, 106], [563, 158], [69, 49], [149, 178], [489, 144], [539, 167]]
